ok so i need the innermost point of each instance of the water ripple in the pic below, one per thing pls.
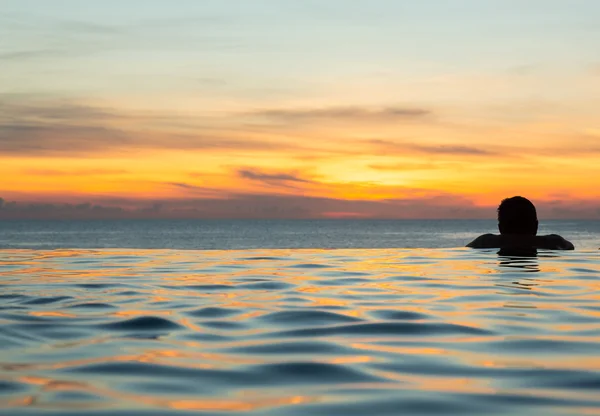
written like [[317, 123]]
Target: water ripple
[[298, 332], [142, 323]]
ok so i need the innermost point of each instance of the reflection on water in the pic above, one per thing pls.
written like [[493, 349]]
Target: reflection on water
[[298, 332], [519, 258]]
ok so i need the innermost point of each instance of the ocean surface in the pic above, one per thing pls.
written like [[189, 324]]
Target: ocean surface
[[260, 234], [291, 318]]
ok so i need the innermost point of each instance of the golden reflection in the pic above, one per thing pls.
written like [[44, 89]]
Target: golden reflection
[[17, 402], [522, 259], [191, 358], [352, 360], [53, 314], [250, 315], [328, 302], [245, 404], [160, 356], [243, 305], [490, 364], [355, 313], [189, 324], [34, 380], [237, 405], [65, 385], [312, 289], [130, 313]]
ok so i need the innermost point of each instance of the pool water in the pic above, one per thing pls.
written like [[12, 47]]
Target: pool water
[[299, 332]]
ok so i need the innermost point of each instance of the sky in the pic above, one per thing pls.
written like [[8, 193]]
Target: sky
[[298, 108]]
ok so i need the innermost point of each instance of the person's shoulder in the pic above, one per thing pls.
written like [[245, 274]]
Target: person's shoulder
[[556, 242], [485, 241]]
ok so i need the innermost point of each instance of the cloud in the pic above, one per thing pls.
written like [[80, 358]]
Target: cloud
[[58, 140], [14, 210], [265, 206], [25, 108], [49, 127], [260, 206], [271, 178], [345, 114], [453, 150], [40, 127], [443, 149], [33, 126], [183, 185], [195, 189]]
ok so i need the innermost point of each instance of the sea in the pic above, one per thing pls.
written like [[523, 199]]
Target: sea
[[295, 318], [260, 234]]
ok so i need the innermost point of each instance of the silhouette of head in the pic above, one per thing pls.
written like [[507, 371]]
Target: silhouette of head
[[517, 215]]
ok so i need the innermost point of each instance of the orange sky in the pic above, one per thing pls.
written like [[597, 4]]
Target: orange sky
[[269, 123]]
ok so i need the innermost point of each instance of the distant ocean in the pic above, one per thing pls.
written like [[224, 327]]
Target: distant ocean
[[268, 234]]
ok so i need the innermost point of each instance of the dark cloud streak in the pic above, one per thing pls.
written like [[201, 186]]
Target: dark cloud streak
[[195, 189], [59, 128], [58, 140], [269, 206], [271, 178], [347, 114], [442, 149]]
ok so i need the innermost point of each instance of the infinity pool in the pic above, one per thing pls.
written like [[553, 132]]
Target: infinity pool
[[299, 332]]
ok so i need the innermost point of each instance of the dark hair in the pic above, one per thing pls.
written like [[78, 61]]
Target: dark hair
[[517, 215]]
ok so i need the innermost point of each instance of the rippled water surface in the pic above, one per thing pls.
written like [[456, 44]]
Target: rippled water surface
[[299, 332]]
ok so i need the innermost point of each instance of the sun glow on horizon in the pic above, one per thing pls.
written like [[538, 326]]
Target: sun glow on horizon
[[408, 113]]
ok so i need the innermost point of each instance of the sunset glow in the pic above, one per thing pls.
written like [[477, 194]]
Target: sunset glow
[[298, 109]]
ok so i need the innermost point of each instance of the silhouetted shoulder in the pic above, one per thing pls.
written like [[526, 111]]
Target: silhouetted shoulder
[[554, 242], [485, 241], [548, 242]]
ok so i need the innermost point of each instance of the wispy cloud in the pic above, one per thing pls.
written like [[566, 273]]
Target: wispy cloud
[[346, 114], [30, 126], [441, 149], [35, 139], [197, 191], [453, 150], [37, 126], [279, 179], [24, 108]]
